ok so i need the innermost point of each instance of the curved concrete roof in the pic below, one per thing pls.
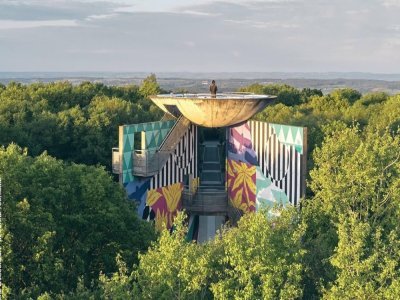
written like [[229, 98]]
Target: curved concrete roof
[[203, 110]]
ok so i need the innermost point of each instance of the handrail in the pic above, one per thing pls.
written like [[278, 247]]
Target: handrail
[[167, 117], [172, 138], [169, 132], [148, 162], [116, 161], [205, 200]]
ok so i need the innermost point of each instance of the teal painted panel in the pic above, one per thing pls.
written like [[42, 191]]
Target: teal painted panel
[[155, 133], [290, 135]]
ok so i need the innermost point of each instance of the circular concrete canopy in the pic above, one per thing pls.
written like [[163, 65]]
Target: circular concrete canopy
[[204, 110]]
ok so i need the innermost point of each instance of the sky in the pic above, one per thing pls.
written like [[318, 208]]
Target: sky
[[200, 36]]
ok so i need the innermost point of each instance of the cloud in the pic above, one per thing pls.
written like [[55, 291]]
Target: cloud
[[395, 27], [200, 13], [100, 17], [263, 25], [390, 3], [16, 24], [190, 44], [53, 10], [195, 35]]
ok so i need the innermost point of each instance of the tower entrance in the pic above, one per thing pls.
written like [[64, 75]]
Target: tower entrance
[[212, 145]]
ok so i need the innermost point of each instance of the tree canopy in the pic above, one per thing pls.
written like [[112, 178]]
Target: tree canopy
[[62, 222], [74, 123]]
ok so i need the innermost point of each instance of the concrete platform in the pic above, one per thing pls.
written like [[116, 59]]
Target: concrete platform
[[224, 110]]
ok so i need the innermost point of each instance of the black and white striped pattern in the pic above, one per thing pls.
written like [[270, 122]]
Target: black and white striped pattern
[[279, 162], [183, 161]]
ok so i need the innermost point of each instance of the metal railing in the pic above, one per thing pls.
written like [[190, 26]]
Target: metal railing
[[167, 117], [148, 162], [205, 200], [174, 135], [116, 161]]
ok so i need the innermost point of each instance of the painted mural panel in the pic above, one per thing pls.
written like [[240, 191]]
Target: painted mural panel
[[277, 154], [240, 146], [181, 162], [165, 202], [280, 155], [241, 185], [155, 134], [158, 197]]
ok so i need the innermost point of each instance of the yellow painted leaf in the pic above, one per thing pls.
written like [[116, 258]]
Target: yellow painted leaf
[[172, 196], [238, 181], [237, 199], [152, 197], [230, 171], [251, 185]]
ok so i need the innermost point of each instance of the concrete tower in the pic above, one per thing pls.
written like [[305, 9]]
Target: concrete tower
[[207, 157]]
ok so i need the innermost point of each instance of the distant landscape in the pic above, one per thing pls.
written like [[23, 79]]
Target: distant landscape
[[227, 82]]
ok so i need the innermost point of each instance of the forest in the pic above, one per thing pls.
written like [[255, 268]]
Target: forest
[[69, 232]]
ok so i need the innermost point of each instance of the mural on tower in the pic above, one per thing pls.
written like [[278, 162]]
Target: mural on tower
[[241, 185], [267, 161], [158, 197], [265, 166]]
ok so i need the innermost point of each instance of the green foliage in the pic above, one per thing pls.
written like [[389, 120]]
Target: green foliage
[[307, 93], [173, 268], [348, 94], [388, 115], [74, 123], [69, 232], [367, 260], [354, 174], [260, 259], [62, 222], [285, 94], [373, 98], [352, 237], [149, 86], [358, 172]]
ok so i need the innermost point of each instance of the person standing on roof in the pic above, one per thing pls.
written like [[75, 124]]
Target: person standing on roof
[[213, 89]]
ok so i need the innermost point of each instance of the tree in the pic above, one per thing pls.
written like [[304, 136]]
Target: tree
[[349, 94], [62, 222], [353, 217], [74, 123], [260, 259], [367, 261], [373, 98], [149, 86], [286, 94], [307, 93]]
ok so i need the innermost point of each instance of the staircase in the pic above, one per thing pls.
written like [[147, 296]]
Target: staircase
[[174, 135], [210, 198], [211, 171], [149, 162], [206, 201]]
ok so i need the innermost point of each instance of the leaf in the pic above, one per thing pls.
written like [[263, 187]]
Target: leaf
[[152, 197], [172, 196]]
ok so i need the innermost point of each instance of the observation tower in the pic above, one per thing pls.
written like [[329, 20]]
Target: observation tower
[[206, 156]]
